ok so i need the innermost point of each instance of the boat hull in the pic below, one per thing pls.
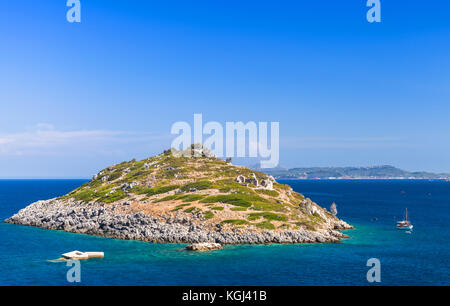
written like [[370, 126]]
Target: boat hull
[[405, 228]]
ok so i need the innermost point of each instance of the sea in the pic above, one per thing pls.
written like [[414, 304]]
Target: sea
[[372, 206]]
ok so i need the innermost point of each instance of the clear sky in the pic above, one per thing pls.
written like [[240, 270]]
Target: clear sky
[[75, 98]]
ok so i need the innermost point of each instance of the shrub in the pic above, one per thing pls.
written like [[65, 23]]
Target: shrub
[[267, 216], [113, 197], [227, 185], [140, 189], [168, 198], [307, 224], [180, 206], [299, 196], [190, 209], [158, 190], [316, 218], [268, 206], [114, 176], [192, 197], [208, 215], [271, 193], [235, 222], [265, 225], [200, 185], [136, 175], [281, 186], [103, 191], [238, 208], [225, 189], [239, 199], [86, 195]]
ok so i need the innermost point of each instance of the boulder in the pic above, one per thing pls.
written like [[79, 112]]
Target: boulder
[[240, 179], [252, 180], [126, 186], [204, 246], [267, 184]]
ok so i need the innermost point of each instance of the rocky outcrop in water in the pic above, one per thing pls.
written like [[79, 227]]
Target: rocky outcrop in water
[[113, 221], [204, 246], [192, 198]]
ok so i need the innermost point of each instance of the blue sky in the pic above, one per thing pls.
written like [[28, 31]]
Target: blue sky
[[75, 98]]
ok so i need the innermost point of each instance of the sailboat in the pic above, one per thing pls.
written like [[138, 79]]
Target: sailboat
[[405, 224]]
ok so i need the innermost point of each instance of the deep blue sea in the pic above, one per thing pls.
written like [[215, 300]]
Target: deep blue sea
[[419, 258]]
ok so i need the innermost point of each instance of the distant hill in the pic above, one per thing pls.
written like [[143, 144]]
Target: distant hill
[[373, 172]]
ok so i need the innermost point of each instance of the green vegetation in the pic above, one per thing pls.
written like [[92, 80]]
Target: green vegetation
[[140, 189], [184, 197], [168, 198], [208, 215], [154, 190], [190, 209], [192, 197], [218, 208], [228, 185], [265, 225], [162, 189], [114, 176], [268, 206], [136, 175], [267, 216], [113, 197], [316, 218], [281, 186], [238, 208], [178, 207], [238, 199], [235, 222], [85, 195], [299, 196], [200, 185], [225, 189], [271, 193], [307, 224]]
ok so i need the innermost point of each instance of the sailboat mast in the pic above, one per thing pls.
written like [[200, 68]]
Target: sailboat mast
[[406, 214]]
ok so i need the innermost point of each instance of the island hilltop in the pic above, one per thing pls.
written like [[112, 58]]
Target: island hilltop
[[174, 199]]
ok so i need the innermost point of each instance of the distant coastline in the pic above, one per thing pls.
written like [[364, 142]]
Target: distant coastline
[[353, 173]]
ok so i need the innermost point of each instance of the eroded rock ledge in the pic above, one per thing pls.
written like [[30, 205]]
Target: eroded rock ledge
[[114, 221]]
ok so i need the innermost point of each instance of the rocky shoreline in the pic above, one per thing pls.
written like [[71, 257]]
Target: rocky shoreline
[[116, 221]]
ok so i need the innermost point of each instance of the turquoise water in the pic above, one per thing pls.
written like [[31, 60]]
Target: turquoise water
[[420, 258]]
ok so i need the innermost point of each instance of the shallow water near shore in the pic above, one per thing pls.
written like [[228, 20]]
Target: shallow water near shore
[[419, 258]]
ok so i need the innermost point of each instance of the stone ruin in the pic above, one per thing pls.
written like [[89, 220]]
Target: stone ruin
[[263, 184], [195, 150]]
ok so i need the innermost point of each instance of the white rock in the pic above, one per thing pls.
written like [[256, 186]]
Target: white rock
[[204, 246]]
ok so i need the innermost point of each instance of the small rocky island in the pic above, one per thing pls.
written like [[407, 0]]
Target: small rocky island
[[186, 199]]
